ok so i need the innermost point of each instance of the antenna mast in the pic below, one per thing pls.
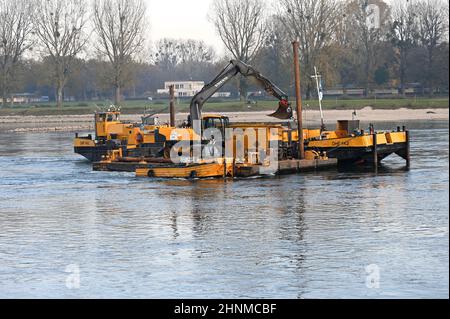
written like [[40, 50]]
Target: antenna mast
[[318, 77]]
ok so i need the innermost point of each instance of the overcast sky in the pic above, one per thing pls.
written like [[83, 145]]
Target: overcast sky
[[187, 19], [182, 19]]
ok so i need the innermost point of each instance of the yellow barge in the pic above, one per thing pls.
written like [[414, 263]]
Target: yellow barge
[[232, 170], [351, 145], [201, 170]]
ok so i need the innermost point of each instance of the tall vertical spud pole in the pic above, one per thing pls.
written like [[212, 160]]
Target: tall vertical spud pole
[[172, 105], [298, 93]]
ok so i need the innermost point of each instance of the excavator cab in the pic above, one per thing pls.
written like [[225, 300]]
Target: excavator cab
[[215, 121]]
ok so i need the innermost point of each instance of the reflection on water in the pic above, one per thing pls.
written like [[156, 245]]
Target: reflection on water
[[300, 236]]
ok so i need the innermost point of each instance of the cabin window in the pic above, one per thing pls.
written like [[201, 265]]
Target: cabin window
[[112, 117], [213, 123]]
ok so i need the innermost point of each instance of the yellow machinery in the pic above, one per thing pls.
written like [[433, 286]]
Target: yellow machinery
[[148, 148], [348, 143], [132, 143], [110, 134], [156, 141]]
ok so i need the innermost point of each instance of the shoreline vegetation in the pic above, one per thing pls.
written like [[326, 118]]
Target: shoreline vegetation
[[84, 122], [161, 107]]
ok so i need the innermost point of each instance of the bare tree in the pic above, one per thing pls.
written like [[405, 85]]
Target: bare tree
[[171, 52], [15, 36], [59, 26], [275, 57], [433, 27], [314, 23], [120, 26], [368, 28], [196, 51], [242, 27], [404, 34]]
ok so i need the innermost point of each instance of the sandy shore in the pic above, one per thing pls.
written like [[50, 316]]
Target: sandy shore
[[74, 123]]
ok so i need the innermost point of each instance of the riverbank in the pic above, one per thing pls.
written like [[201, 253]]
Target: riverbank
[[218, 106], [75, 123]]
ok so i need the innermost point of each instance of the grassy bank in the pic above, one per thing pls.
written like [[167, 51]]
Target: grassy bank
[[138, 107]]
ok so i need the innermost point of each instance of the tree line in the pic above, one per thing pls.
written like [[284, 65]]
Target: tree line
[[99, 49]]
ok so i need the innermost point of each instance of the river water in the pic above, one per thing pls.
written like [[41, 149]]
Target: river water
[[68, 232]]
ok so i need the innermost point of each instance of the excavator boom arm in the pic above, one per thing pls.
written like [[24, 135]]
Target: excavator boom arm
[[226, 75]]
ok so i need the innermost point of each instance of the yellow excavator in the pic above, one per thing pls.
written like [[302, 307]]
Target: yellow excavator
[[143, 140], [150, 140], [234, 68], [348, 143], [123, 142]]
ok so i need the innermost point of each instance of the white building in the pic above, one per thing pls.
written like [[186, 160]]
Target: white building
[[188, 89], [183, 88]]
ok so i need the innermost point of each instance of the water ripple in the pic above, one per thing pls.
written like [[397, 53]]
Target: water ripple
[[300, 236]]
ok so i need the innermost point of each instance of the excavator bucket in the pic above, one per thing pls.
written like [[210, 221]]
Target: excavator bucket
[[284, 111]]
